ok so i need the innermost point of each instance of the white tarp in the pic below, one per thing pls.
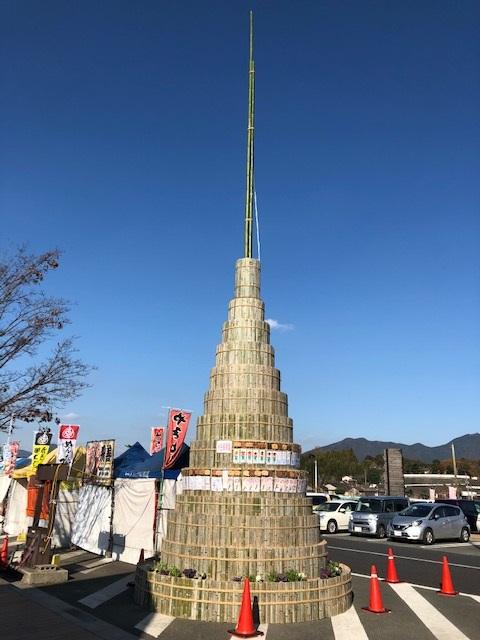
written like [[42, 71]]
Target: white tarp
[[91, 527], [133, 519], [67, 505], [4, 485], [83, 517], [16, 517]]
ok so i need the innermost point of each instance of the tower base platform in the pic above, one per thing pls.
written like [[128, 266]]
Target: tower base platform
[[219, 601]]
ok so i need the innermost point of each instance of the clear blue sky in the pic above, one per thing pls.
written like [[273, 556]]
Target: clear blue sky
[[123, 144]]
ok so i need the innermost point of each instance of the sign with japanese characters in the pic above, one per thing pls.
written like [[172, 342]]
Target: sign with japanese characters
[[156, 441], [178, 422], [223, 446], [99, 459], [41, 446], [67, 439]]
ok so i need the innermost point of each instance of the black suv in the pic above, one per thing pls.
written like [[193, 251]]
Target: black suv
[[471, 509]]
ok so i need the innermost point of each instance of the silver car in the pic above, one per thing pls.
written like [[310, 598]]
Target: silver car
[[427, 522], [372, 515]]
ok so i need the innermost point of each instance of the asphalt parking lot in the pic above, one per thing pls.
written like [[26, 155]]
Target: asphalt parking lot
[[97, 601]]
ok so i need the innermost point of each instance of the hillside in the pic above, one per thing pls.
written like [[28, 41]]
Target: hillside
[[467, 446]]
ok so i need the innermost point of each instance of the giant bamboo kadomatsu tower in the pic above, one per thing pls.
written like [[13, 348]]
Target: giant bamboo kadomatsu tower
[[243, 509]]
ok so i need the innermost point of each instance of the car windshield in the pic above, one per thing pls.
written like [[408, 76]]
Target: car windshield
[[327, 506], [477, 507], [369, 506], [417, 510]]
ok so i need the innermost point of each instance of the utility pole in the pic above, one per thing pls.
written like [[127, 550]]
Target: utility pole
[[11, 426], [315, 472], [455, 481], [454, 462]]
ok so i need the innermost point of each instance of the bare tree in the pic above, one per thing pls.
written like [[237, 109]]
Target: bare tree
[[30, 389]]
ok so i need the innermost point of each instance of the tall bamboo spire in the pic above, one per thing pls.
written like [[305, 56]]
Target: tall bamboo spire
[[250, 137], [243, 509]]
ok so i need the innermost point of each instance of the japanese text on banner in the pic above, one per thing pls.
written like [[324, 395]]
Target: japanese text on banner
[[41, 446], [156, 441], [178, 422], [67, 439]]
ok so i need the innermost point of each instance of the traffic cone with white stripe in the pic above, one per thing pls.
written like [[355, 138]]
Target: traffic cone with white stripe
[[446, 585], [245, 627], [392, 576], [4, 553], [376, 602]]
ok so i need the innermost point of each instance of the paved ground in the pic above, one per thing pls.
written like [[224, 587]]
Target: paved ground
[[97, 603], [415, 563]]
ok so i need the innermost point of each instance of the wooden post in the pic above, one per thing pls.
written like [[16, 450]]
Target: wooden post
[[38, 543]]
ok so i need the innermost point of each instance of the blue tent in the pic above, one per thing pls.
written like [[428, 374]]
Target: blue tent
[[134, 455], [152, 468]]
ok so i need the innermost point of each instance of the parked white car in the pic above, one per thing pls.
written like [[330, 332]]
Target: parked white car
[[334, 516]]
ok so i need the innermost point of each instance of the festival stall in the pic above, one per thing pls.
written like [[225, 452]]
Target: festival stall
[[140, 491], [117, 515], [23, 494], [103, 517]]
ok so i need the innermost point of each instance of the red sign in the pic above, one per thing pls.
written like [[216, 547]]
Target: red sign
[[68, 431], [178, 422], [156, 442]]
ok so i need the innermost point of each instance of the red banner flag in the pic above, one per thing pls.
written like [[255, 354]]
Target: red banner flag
[[10, 452], [156, 442], [178, 421]]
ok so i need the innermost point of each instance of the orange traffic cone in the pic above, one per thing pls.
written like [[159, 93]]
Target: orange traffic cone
[[392, 576], [446, 585], [245, 628], [4, 553], [376, 602], [141, 557]]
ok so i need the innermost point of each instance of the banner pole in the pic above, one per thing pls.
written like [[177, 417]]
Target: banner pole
[[109, 550], [158, 511], [10, 428]]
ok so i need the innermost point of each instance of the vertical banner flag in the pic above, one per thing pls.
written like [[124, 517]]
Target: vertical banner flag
[[41, 445], [178, 421], [67, 438], [156, 442], [10, 452]]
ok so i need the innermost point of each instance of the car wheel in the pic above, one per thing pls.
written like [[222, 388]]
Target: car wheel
[[332, 526], [464, 535], [381, 533], [428, 537]]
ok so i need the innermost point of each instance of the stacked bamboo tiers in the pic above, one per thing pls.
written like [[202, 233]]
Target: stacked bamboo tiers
[[216, 601], [243, 511]]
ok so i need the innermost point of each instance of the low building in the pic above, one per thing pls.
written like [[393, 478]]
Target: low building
[[429, 486]]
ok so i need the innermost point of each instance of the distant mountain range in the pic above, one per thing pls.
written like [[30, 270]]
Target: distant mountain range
[[467, 446]]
